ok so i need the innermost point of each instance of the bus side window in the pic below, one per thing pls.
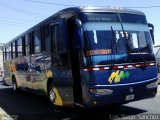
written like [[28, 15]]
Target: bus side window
[[59, 47], [43, 44], [13, 50], [31, 43], [23, 46], [4, 53], [27, 46], [8, 52], [19, 44], [47, 45], [37, 41]]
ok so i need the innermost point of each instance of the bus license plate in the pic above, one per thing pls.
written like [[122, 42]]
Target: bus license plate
[[129, 97]]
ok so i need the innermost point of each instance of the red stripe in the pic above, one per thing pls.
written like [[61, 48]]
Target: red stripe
[[90, 69], [115, 67], [142, 65], [134, 65], [101, 68], [124, 66]]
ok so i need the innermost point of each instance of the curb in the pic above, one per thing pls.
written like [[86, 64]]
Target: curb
[[4, 115]]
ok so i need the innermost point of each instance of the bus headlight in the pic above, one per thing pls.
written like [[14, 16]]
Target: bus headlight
[[152, 85], [101, 91]]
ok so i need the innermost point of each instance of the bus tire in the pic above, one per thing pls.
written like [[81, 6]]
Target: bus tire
[[51, 94], [14, 84]]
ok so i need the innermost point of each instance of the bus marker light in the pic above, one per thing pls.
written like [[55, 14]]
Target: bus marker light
[[152, 85]]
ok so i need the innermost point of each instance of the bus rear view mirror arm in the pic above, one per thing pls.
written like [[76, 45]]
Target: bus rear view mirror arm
[[78, 35], [151, 28]]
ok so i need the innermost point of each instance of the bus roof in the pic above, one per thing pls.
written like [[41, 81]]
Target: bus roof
[[102, 9], [77, 10]]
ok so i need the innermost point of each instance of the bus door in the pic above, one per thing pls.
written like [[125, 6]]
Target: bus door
[[75, 60], [61, 69]]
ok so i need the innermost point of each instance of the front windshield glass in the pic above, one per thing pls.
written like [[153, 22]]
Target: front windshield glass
[[104, 33]]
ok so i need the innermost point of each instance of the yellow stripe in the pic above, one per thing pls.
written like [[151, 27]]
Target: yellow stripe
[[58, 100]]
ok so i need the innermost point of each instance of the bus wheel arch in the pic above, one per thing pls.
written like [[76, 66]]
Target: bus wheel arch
[[53, 94]]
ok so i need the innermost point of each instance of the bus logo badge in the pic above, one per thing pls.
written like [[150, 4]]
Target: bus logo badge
[[118, 76], [131, 89]]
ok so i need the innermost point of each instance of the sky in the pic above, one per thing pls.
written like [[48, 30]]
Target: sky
[[16, 16]]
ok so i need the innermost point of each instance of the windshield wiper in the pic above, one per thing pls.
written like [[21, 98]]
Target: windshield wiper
[[113, 46], [129, 43]]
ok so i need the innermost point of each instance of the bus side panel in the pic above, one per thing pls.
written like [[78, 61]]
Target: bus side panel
[[63, 84]]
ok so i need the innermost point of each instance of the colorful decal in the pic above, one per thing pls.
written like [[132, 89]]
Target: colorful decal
[[118, 76]]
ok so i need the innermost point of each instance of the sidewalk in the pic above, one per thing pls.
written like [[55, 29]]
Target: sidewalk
[[5, 116]]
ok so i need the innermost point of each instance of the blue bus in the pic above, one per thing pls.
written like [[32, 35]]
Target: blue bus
[[86, 56]]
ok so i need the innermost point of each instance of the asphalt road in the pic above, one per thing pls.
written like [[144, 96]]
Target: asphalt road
[[28, 106]]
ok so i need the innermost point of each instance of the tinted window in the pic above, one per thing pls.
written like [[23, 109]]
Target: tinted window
[[8, 52], [37, 41], [13, 50], [19, 44], [27, 46], [113, 17]]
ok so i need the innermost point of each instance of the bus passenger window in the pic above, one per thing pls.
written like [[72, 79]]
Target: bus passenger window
[[60, 59], [43, 47], [4, 53], [47, 39], [8, 52], [27, 47], [23, 46], [19, 44], [37, 41], [13, 50]]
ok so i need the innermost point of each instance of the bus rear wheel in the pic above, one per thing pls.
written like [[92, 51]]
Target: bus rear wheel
[[14, 84]]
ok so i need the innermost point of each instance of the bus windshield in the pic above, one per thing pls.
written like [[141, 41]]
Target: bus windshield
[[115, 34], [104, 33]]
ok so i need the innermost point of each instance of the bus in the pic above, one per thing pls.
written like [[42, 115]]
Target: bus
[[85, 56]]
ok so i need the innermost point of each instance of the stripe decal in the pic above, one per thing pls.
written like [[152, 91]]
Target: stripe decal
[[141, 82], [120, 67]]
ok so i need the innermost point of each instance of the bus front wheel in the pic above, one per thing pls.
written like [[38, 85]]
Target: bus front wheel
[[51, 94]]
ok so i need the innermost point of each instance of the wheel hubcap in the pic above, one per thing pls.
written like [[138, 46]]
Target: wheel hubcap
[[52, 96]]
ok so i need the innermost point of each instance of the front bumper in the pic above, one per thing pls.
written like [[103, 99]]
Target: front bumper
[[138, 91]]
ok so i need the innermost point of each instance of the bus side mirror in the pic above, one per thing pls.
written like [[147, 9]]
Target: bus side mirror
[[78, 35], [151, 28]]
